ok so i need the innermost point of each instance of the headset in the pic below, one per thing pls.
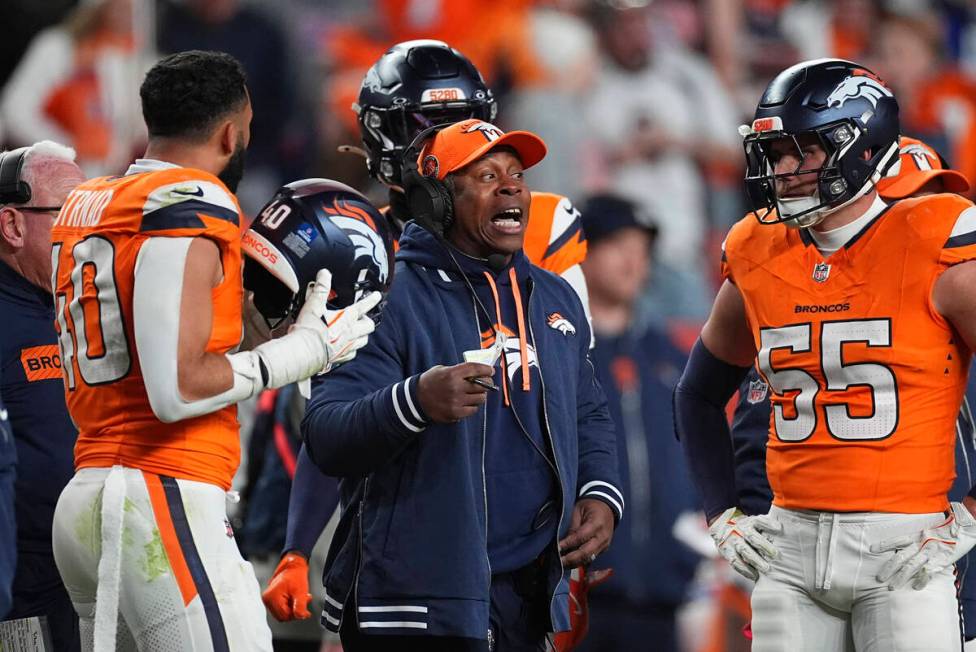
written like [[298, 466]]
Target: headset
[[13, 189], [432, 206], [428, 198]]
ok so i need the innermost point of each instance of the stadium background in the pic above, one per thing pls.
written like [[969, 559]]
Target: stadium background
[[636, 97]]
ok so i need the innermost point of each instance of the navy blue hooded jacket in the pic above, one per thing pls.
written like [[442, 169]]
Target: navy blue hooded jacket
[[410, 552], [8, 525], [33, 393]]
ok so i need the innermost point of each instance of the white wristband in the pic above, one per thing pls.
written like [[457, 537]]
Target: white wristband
[[296, 356]]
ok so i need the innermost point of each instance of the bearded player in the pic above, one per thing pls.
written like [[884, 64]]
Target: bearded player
[[148, 301]]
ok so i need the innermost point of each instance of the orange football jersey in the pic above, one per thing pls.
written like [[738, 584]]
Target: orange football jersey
[[96, 243], [554, 239], [866, 376]]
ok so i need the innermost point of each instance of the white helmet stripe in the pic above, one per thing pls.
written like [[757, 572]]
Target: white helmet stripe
[[259, 248]]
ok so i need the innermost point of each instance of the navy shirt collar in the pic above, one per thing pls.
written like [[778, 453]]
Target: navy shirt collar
[[16, 287]]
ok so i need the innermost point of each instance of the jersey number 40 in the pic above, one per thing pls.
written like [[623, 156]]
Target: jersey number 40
[[96, 336]]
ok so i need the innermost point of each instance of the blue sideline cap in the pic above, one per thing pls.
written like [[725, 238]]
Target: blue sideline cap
[[604, 215]]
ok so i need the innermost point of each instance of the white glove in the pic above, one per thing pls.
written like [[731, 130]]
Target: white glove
[[320, 339], [922, 556], [740, 540]]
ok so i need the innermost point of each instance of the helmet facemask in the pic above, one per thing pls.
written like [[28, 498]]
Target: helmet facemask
[[274, 301], [845, 176], [387, 132], [309, 225]]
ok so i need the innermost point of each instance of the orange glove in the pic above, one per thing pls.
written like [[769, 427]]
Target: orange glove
[[580, 583], [287, 595]]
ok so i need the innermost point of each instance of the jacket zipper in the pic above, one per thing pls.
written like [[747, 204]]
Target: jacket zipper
[[484, 446], [552, 446], [359, 562]]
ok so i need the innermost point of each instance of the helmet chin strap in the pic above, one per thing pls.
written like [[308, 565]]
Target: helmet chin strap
[[789, 206]]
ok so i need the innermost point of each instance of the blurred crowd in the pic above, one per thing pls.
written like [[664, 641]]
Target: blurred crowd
[[637, 97], [639, 101]]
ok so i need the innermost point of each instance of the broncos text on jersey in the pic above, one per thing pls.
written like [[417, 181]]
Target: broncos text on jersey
[[865, 389]]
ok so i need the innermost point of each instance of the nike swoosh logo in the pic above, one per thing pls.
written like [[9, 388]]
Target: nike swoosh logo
[[198, 193]]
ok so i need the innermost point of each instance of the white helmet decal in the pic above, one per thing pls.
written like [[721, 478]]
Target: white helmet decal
[[362, 233], [858, 86]]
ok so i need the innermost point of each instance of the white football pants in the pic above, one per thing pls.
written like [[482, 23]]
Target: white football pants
[[150, 564], [822, 592]]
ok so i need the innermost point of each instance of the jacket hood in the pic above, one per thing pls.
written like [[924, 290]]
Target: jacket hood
[[421, 247]]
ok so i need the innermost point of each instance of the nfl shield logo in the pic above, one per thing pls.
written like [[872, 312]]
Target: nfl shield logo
[[757, 391], [820, 272]]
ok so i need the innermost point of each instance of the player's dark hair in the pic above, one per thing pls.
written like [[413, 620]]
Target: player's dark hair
[[186, 94]]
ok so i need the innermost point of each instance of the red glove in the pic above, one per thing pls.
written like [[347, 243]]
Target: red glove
[[287, 595], [580, 583]]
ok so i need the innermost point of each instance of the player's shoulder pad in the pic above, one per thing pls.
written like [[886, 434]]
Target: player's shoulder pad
[[555, 283], [748, 239], [176, 197], [556, 210], [947, 218], [95, 183]]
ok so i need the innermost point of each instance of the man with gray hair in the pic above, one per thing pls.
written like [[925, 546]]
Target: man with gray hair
[[34, 182]]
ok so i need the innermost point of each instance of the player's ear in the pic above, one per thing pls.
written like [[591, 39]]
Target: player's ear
[[227, 137], [12, 227]]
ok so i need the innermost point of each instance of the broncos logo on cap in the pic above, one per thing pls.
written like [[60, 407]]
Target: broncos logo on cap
[[489, 131], [560, 323], [856, 86], [359, 226], [922, 155]]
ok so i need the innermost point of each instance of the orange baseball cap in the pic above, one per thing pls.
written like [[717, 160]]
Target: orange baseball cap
[[919, 165], [465, 142]]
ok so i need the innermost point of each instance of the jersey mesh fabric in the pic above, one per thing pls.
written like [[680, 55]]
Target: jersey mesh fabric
[[866, 377], [554, 238], [97, 239]]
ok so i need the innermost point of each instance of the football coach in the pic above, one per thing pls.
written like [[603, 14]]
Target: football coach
[[476, 454]]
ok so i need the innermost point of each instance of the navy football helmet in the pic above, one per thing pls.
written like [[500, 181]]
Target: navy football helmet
[[415, 85], [309, 225], [847, 110]]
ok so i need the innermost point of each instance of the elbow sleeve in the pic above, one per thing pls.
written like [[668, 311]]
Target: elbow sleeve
[[156, 312], [707, 378]]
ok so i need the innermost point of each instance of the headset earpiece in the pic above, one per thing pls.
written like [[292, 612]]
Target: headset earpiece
[[428, 198], [13, 189], [430, 203]]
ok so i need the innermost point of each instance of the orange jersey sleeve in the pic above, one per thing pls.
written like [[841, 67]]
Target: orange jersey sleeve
[[554, 238], [741, 231], [96, 242], [960, 245], [866, 376]]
